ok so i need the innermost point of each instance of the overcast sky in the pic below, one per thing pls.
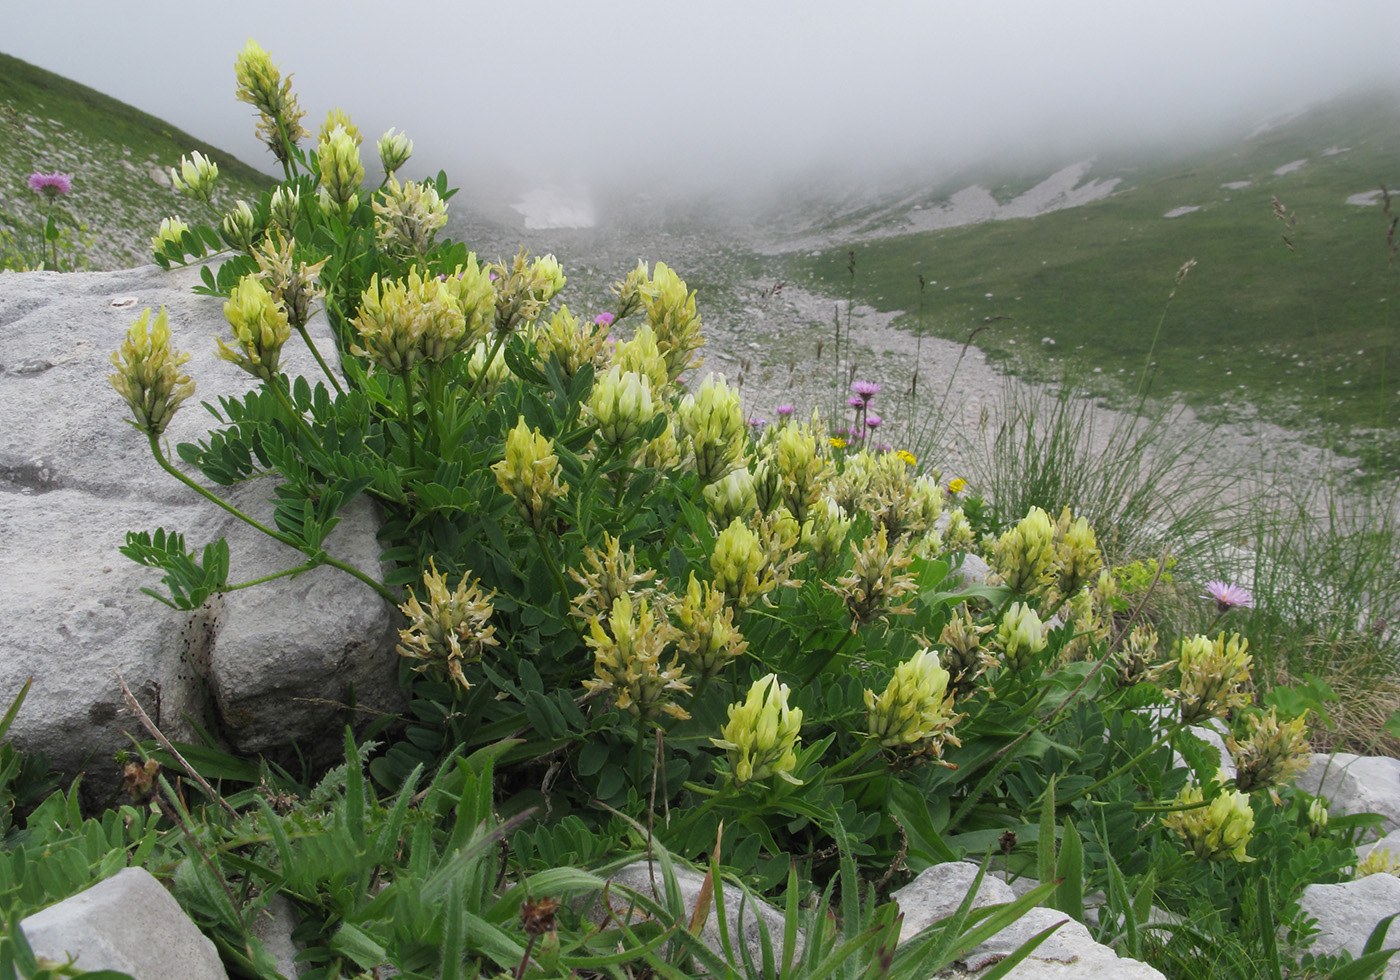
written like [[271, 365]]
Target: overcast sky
[[719, 89]]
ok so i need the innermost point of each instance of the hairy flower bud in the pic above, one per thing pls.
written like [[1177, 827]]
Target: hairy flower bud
[[284, 208], [1273, 754], [148, 373], [761, 736], [394, 151], [915, 712], [451, 630], [171, 231], [259, 326], [1022, 555], [199, 173], [1217, 831], [530, 474], [621, 405], [731, 498], [338, 156], [1020, 638], [714, 422]]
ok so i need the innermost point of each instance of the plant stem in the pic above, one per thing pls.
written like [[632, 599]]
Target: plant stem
[[1130, 764], [409, 426], [325, 368]]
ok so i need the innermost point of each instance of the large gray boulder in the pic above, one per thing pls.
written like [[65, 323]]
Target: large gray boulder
[[263, 666], [1349, 911], [127, 923], [1356, 784]]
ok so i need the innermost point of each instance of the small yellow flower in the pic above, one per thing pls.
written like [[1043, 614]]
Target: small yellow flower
[[824, 533], [731, 498], [171, 230], [671, 314], [240, 227], [610, 573], [292, 285], [836, 442], [955, 486], [284, 208], [339, 117], [572, 343], [530, 474], [260, 83], [915, 712], [801, 467], [148, 373], [407, 218], [877, 580], [761, 736], [910, 460], [199, 173], [1022, 555]]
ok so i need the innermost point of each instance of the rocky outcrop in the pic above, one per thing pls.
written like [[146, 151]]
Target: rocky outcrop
[[263, 667]]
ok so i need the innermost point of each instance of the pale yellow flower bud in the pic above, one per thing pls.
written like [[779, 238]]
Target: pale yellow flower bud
[[1215, 832], [530, 474], [761, 736], [240, 227], [338, 117], [1213, 676], [451, 630], [285, 207], [671, 314], [1021, 637], [641, 354], [1077, 558], [708, 639], [1273, 754], [171, 232], [338, 156], [1022, 555], [731, 498], [407, 218], [394, 151], [471, 288], [549, 277], [487, 378], [740, 566], [767, 485], [621, 405], [915, 713], [148, 373], [824, 533], [801, 467], [714, 423], [627, 661], [259, 326], [199, 173]]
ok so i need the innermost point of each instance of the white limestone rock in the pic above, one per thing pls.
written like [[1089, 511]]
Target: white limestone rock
[[1347, 912], [128, 923], [1356, 784], [75, 477]]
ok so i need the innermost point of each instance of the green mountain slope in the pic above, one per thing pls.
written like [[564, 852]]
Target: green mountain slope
[[118, 157], [1309, 337]]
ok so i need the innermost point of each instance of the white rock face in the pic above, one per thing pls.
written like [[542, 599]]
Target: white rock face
[[75, 477], [1356, 784], [1346, 914], [128, 923], [1068, 952]]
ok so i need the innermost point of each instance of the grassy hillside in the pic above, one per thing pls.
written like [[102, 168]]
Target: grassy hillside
[[1307, 337], [118, 157]]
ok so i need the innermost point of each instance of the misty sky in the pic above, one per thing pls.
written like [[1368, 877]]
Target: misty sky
[[717, 89]]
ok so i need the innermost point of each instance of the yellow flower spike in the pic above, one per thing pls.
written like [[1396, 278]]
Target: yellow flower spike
[[572, 343], [260, 84], [171, 230], [530, 474], [548, 277], [199, 173], [338, 155], [877, 581], [259, 326], [620, 404], [671, 315], [640, 354], [962, 635], [1020, 638], [1213, 676], [915, 712], [148, 373], [740, 565], [284, 208], [631, 290], [824, 533], [1076, 559], [451, 630], [1273, 754], [407, 218], [801, 468], [611, 573], [339, 117], [713, 421], [957, 533], [1022, 555], [390, 325], [731, 498], [240, 227], [761, 736], [708, 639], [1215, 832], [292, 285], [394, 151], [627, 661], [520, 291]]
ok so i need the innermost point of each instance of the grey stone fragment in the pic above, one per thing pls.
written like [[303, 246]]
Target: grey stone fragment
[[1347, 912], [638, 877], [128, 923], [265, 666], [274, 926], [1356, 784], [938, 891]]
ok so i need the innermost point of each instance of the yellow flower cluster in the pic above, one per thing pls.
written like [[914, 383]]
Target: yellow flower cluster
[[408, 217], [291, 286], [523, 288], [761, 736], [611, 574], [1216, 831], [915, 712], [260, 84], [1020, 638], [198, 173], [713, 422], [403, 321], [620, 404], [877, 581], [708, 639], [627, 660], [670, 311], [1272, 754], [148, 373], [394, 151], [338, 156], [571, 343], [451, 630], [530, 474], [1213, 676], [260, 327], [170, 232]]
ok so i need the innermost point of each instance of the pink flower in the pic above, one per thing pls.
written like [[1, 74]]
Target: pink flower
[[1227, 596], [865, 389], [784, 411], [51, 185], [855, 402], [604, 319], [873, 422], [757, 424]]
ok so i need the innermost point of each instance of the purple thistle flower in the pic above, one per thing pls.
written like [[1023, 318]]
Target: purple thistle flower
[[757, 424], [51, 185], [785, 410], [604, 319], [873, 422], [865, 389], [855, 402], [1227, 596]]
